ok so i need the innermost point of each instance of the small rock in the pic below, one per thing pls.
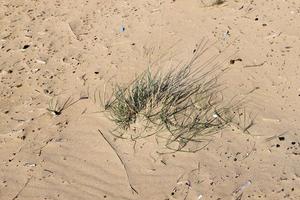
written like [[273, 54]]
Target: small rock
[[26, 46]]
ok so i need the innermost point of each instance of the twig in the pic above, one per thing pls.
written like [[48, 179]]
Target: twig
[[15, 154], [239, 197], [47, 170], [257, 65], [20, 191], [41, 149], [249, 126], [124, 166], [275, 136], [18, 120], [72, 31], [253, 90]]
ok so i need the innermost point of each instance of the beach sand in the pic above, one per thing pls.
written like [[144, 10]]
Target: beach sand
[[72, 48]]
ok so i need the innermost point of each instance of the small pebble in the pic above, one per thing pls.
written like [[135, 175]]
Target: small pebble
[[26, 46]]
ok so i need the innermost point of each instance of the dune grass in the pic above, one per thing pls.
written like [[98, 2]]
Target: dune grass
[[186, 103]]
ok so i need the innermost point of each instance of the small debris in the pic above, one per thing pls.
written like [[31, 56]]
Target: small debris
[[30, 164], [122, 29], [47, 170], [271, 120], [281, 138], [26, 46], [242, 187], [40, 61], [226, 35], [35, 70], [255, 65], [232, 61]]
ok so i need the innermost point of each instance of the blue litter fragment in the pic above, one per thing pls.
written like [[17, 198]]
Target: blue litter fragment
[[122, 28]]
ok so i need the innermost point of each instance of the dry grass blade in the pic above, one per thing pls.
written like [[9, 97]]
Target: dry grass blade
[[56, 107], [119, 157]]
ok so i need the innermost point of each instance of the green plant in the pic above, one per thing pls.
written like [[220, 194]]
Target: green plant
[[186, 102]]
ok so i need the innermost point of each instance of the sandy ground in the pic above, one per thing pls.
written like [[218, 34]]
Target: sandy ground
[[69, 48]]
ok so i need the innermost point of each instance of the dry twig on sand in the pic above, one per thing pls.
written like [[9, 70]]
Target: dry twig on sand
[[119, 157], [21, 190]]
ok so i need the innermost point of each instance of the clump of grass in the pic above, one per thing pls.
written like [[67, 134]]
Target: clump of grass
[[184, 103], [57, 107]]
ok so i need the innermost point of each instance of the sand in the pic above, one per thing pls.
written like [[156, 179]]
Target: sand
[[72, 48]]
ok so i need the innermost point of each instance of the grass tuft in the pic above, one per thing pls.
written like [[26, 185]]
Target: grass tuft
[[188, 105]]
